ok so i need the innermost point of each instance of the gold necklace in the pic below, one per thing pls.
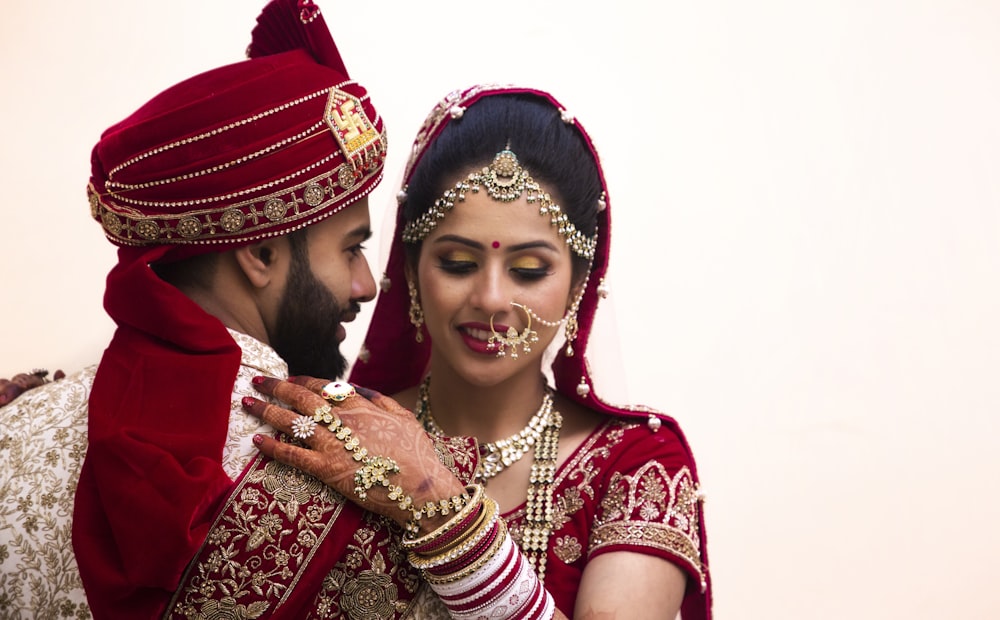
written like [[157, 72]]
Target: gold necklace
[[543, 429], [502, 453]]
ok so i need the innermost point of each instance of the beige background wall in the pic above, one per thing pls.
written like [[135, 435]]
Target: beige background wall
[[807, 222]]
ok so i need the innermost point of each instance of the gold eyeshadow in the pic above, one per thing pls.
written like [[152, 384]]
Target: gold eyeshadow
[[459, 256], [528, 262]]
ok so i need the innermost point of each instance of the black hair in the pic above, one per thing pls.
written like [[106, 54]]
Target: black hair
[[553, 151]]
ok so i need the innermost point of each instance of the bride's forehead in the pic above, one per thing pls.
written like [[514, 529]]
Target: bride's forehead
[[479, 212]]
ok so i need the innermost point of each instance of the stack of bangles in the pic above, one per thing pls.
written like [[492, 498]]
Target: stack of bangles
[[471, 562], [475, 568]]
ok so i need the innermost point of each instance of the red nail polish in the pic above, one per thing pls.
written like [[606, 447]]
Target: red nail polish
[[257, 380], [292, 379], [248, 401], [257, 440]]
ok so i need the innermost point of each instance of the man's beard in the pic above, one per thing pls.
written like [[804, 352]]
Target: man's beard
[[306, 333]]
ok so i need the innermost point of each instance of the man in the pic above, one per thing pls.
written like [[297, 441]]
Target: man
[[238, 200]]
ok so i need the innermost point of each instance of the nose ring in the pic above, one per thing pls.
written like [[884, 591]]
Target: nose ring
[[512, 339]]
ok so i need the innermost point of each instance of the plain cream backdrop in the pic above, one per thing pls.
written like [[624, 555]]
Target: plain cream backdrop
[[806, 247]]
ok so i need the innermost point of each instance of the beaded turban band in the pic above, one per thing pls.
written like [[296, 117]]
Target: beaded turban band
[[246, 151]]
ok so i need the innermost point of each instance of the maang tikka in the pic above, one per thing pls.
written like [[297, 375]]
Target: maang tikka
[[505, 180]]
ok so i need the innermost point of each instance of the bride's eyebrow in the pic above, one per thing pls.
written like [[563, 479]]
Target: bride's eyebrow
[[531, 245], [460, 240]]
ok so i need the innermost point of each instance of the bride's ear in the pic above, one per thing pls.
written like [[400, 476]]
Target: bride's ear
[[410, 273], [576, 291]]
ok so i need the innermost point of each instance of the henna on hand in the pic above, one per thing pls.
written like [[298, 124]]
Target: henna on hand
[[379, 427]]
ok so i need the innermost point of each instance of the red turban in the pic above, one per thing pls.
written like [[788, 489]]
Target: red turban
[[242, 152]]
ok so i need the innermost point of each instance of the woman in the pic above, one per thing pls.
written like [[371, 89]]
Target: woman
[[488, 274], [501, 243]]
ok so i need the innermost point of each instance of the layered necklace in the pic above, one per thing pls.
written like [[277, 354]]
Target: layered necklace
[[542, 434]]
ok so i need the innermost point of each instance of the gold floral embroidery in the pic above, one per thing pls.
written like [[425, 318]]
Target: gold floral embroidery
[[652, 498], [582, 468], [370, 596], [373, 581], [568, 549], [43, 438], [566, 505], [613, 503], [458, 454], [257, 359], [262, 542], [653, 509], [259, 544]]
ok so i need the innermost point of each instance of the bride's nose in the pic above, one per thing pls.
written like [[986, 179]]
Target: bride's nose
[[493, 292]]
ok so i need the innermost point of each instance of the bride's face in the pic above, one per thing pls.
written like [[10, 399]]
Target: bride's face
[[480, 258]]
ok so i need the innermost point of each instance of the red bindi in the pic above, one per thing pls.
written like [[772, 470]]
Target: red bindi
[[496, 244]]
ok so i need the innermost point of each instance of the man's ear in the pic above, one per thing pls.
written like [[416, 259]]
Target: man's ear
[[260, 261]]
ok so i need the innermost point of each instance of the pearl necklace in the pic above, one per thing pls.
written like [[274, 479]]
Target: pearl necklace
[[542, 432]]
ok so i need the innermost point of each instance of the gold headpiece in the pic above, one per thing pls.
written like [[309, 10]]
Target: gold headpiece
[[505, 181]]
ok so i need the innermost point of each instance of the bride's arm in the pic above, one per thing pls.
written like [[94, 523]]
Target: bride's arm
[[627, 585]]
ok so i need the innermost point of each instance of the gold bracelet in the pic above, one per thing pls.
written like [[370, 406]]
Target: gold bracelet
[[489, 518], [464, 504], [479, 562], [459, 539], [374, 471]]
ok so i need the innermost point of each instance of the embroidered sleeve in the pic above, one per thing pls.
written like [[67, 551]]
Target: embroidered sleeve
[[651, 510]]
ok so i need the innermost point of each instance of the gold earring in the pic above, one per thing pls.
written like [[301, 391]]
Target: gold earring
[[572, 326], [416, 312], [512, 339]]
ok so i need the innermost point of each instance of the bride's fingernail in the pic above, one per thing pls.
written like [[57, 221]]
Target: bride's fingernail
[[248, 401], [257, 380], [257, 440]]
